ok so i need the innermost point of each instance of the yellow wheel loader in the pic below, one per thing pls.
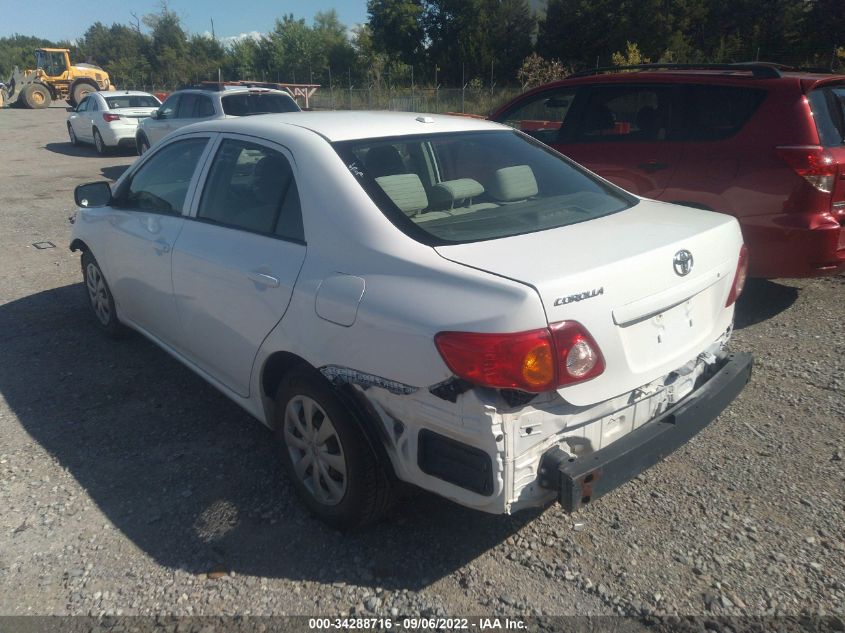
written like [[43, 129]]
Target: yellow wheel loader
[[53, 79]]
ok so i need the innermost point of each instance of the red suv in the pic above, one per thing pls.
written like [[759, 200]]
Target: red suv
[[757, 141]]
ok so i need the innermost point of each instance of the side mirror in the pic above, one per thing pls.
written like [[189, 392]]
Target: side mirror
[[93, 194], [155, 114]]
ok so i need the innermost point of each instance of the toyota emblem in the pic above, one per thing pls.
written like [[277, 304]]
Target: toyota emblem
[[683, 262]]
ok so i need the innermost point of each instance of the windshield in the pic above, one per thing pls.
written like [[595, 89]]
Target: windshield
[[258, 103], [132, 101], [471, 186]]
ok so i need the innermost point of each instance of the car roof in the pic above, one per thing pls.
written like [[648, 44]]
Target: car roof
[[349, 125], [227, 90]]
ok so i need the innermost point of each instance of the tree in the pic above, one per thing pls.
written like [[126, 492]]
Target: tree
[[631, 57], [396, 27]]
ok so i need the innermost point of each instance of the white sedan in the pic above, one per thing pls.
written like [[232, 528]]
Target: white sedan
[[109, 119], [432, 299]]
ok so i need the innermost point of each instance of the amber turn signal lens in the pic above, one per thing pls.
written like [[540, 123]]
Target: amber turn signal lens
[[538, 367]]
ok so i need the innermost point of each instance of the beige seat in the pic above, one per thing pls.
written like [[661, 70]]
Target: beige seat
[[513, 184]]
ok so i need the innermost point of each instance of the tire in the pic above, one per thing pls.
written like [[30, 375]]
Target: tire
[[72, 135], [36, 96], [78, 92], [335, 470], [102, 148], [4, 97], [142, 145], [100, 298]]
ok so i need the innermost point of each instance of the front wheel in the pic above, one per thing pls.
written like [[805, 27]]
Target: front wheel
[[36, 96], [323, 448], [100, 297], [72, 135], [143, 145]]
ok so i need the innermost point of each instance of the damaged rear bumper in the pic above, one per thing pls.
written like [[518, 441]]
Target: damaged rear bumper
[[579, 481]]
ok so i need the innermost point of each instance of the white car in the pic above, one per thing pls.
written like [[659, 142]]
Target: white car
[[212, 101], [434, 299], [109, 119]]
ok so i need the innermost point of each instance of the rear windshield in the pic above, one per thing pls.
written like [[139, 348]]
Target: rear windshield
[[245, 104], [828, 105], [471, 186], [132, 101]]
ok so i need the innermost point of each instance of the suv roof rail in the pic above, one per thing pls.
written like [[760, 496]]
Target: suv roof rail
[[760, 70]]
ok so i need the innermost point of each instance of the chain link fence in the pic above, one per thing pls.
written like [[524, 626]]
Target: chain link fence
[[469, 100]]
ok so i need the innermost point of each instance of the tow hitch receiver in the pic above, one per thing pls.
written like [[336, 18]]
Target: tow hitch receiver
[[580, 480]]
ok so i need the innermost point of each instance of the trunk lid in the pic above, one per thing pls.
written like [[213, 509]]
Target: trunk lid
[[132, 114], [616, 276]]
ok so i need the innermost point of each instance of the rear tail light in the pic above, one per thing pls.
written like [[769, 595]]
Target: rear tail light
[[812, 163], [534, 361], [108, 117], [740, 276]]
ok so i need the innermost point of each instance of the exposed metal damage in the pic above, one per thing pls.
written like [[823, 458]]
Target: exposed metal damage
[[336, 374]]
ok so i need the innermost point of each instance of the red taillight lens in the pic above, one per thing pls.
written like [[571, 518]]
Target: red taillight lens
[[812, 163], [740, 276], [524, 360], [579, 358], [108, 117], [533, 361]]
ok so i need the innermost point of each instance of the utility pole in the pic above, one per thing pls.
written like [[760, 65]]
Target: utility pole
[[213, 36]]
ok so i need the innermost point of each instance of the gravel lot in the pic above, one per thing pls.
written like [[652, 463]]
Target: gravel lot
[[129, 486]]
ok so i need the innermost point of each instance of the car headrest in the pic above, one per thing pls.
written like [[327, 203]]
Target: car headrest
[[406, 191], [384, 160], [513, 183], [450, 192]]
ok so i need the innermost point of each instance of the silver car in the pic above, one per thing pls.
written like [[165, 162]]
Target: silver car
[[214, 101]]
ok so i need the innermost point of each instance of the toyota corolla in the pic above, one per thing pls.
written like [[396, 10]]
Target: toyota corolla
[[438, 300]]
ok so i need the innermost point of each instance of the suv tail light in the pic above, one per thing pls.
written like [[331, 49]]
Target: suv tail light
[[812, 163], [534, 361], [740, 276], [108, 117]]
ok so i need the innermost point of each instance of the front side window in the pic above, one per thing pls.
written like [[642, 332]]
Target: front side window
[[187, 105], [161, 184], [471, 186], [251, 187], [544, 117], [243, 104], [168, 108], [626, 114], [83, 105]]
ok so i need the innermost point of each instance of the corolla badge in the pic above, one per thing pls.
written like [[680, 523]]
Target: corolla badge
[[682, 262]]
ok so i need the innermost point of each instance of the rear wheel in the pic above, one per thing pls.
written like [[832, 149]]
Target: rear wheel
[[326, 454], [72, 135], [102, 149], [36, 96], [100, 298]]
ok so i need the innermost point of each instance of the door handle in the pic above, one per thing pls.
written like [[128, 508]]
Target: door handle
[[652, 165], [161, 247], [263, 279]]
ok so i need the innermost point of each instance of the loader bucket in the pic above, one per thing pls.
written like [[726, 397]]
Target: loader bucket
[[13, 87]]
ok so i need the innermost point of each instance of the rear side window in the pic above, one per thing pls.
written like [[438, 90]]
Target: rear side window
[[627, 114], [257, 103], [828, 105], [714, 113], [251, 187]]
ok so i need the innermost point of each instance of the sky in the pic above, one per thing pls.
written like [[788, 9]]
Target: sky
[[68, 20]]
